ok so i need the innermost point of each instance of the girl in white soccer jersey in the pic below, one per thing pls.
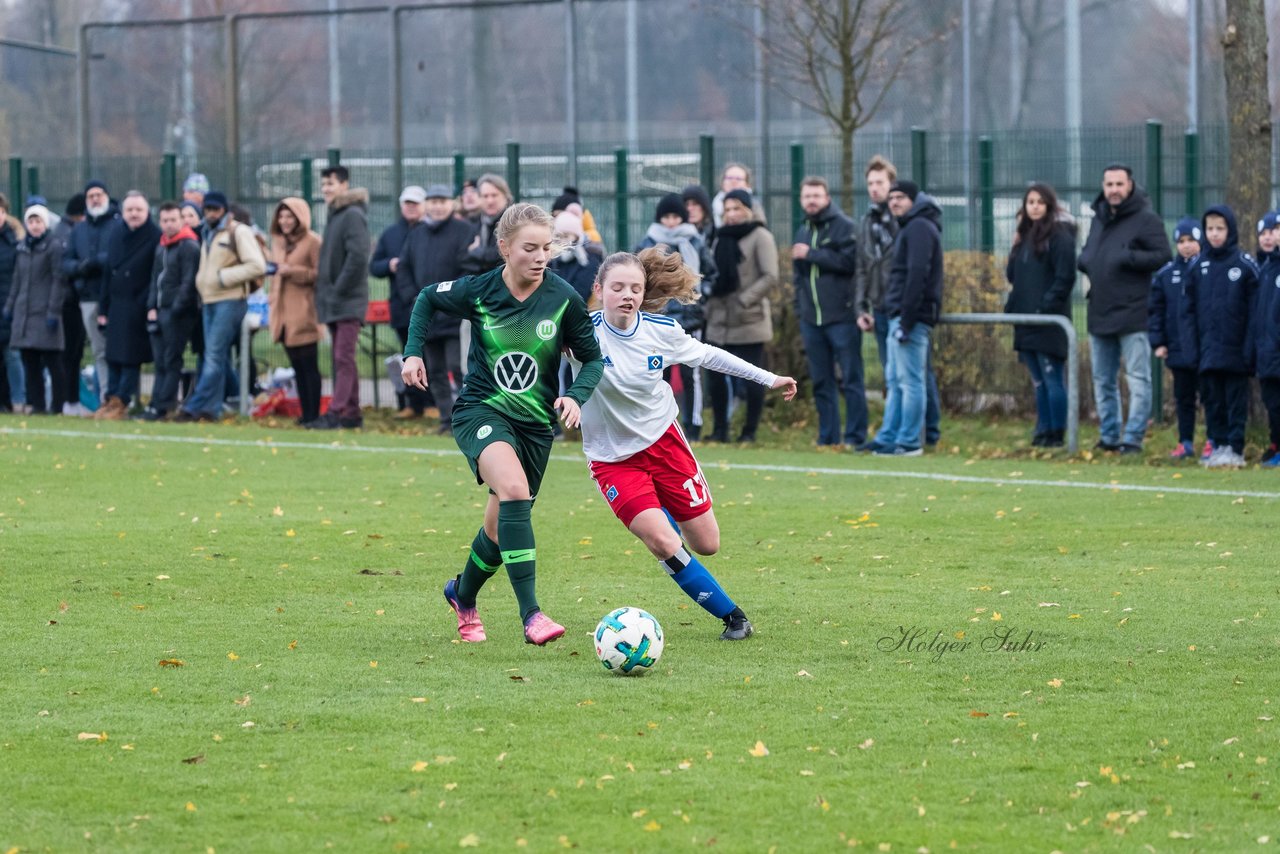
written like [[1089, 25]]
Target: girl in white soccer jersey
[[630, 432]]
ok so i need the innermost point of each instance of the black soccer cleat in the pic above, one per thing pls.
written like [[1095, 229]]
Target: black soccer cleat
[[737, 626]]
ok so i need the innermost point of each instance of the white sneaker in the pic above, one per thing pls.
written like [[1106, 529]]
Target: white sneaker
[[1214, 460], [1230, 459]]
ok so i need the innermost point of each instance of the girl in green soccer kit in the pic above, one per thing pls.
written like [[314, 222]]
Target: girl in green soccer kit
[[521, 316]]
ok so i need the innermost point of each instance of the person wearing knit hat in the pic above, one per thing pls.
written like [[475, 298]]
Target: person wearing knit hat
[[194, 188], [672, 230], [579, 258], [910, 189], [697, 205], [571, 200], [913, 301], [34, 308], [215, 200], [1171, 338], [1267, 347], [72, 324], [738, 312], [84, 263]]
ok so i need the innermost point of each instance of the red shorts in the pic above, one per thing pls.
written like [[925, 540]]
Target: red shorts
[[664, 476]]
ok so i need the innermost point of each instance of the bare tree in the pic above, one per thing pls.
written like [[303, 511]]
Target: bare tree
[[840, 58], [1244, 49]]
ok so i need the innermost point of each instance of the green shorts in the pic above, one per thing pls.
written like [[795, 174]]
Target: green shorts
[[476, 427]]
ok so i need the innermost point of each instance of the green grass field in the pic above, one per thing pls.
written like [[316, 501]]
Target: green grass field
[[231, 638]]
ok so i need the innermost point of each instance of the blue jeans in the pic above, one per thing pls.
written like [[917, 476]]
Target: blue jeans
[[1051, 390], [122, 381], [221, 329], [905, 376], [932, 411], [836, 344], [1107, 352], [16, 377]]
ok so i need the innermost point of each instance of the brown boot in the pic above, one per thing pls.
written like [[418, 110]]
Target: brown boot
[[115, 410], [406, 414]]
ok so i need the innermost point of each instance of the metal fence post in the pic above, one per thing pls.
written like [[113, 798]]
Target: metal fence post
[[33, 183], [1191, 150], [707, 162], [1155, 165], [797, 175], [307, 184], [15, 183], [513, 169], [919, 159], [1155, 189], [986, 180], [621, 197], [169, 176], [335, 156], [459, 171]]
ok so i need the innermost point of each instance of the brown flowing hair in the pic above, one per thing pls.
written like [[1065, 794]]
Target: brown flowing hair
[[1039, 232], [666, 277]]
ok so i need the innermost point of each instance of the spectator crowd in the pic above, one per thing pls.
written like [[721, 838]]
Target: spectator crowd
[[135, 283]]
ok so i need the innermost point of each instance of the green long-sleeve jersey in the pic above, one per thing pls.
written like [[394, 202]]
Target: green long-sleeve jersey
[[515, 345]]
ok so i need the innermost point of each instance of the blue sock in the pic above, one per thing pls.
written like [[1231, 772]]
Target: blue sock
[[697, 583]]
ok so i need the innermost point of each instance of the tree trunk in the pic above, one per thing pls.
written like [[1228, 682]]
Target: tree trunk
[[846, 169], [1244, 42]]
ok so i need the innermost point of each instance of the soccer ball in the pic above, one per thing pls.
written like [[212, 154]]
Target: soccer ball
[[629, 641]]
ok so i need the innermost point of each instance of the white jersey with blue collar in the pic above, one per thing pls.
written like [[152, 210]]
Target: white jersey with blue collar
[[633, 405]]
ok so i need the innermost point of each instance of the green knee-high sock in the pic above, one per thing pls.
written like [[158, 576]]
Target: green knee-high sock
[[482, 563], [515, 539]]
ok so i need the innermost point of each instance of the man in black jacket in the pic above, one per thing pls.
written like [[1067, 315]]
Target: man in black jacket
[[1126, 245], [824, 258], [173, 307], [913, 300], [85, 262], [433, 253], [385, 264]]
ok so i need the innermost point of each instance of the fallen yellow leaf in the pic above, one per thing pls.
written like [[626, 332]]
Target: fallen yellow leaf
[[92, 736], [652, 825], [172, 662], [759, 750], [231, 656], [191, 807], [419, 766]]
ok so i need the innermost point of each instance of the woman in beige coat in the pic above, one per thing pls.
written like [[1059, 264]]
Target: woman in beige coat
[[738, 312], [295, 256]]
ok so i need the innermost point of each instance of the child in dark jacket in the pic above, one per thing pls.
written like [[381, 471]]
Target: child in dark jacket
[[1169, 338], [1222, 293], [1267, 329]]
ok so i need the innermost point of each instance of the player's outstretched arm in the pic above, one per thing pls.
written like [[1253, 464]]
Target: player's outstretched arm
[[788, 386]]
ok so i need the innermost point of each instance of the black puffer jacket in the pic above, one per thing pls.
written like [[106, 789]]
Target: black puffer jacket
[[433, 253], [1222, 293], [824, 279], [1267, 318], [914, 291], [1125, 246], [1042, 284], [1168, 325], [390, 244]]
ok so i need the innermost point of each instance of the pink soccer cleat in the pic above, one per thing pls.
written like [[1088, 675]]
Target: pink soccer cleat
[[469, 625], [540, 629]]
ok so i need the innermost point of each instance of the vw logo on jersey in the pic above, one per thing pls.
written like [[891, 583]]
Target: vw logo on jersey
[[516, 372], [546, 329], [445, 287], [655, 363], [484, 432], [1234, 274]]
